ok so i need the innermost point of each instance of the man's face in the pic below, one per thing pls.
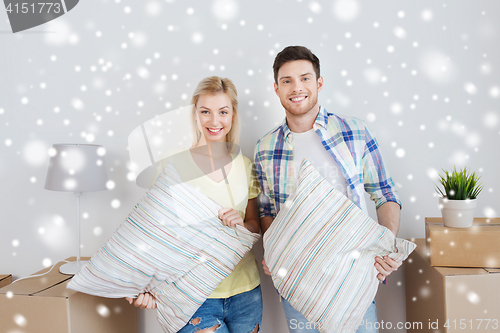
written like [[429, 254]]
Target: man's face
[[297, 87]]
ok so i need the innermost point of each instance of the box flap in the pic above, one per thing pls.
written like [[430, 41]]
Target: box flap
[[5, 280], [58, 290], [453, 271], [36, 284], [493, 270], [478, 222]]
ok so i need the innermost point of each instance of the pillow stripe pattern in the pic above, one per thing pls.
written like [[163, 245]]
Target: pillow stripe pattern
[[172, 245], [321, 251]]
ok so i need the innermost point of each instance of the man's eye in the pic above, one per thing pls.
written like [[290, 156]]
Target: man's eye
[[287, 81], [306, 79]]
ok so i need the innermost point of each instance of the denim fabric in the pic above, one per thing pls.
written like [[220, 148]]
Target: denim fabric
[[297, 323], [236, 314], [369, 320]]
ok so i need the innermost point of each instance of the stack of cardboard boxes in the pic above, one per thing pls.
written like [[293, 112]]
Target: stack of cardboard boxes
[[42, 303], [453, 279]]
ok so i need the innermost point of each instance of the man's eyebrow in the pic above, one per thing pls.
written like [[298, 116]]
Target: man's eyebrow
[[288, 77], [284, 77]]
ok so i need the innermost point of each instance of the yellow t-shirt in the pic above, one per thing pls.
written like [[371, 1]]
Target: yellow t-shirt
[[239, 186]]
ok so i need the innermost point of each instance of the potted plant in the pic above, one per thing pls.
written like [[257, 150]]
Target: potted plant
[[458, 201]]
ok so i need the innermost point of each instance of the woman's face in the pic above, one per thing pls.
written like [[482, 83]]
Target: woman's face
[[214, 115]]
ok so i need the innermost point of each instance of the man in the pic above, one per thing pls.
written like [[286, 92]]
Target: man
[[341, 148]]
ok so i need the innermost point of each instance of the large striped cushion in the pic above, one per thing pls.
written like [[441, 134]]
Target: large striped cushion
[[321, 251], [173, 245]]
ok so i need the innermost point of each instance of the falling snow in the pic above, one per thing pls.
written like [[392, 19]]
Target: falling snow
[[432, 103]]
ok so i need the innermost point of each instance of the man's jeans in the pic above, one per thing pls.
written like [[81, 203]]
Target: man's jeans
[[297, 323]]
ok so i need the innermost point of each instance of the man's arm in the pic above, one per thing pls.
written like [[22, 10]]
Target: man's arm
[[381, 188], [265, 223], [266, 206], [389, 215]]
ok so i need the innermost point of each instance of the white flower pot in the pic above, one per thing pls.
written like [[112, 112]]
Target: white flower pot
[[457, 213]]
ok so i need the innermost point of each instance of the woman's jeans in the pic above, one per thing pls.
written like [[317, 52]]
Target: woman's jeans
[[240, 313]]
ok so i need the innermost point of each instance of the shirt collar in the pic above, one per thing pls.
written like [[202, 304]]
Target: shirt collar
[[321, 120]]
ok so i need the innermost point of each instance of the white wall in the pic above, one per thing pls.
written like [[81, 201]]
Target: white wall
[[432, 102]]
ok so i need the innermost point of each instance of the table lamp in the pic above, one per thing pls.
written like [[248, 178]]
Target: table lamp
[[76, 168]]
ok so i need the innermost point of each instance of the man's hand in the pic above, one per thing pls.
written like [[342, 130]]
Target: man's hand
[[230, 217], [143, 301], [386, 266], [266, 269]]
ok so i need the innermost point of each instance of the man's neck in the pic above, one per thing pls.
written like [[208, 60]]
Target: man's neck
[[302, 123]]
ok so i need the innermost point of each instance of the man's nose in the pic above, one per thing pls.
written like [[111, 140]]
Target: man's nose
[[298, 86]]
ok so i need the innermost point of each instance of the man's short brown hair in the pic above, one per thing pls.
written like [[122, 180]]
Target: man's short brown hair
[[292, 53]]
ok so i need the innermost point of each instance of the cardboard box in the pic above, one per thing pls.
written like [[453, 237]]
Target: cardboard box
[[478, 246], [446, 299], [5, 280], [43, 304]]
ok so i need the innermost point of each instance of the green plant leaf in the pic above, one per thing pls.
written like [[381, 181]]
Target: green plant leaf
[[459, 184]]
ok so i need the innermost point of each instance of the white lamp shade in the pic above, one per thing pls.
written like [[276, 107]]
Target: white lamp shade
[[77, 168]]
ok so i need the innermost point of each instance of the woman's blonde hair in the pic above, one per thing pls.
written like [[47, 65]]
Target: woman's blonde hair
[[211, 86]]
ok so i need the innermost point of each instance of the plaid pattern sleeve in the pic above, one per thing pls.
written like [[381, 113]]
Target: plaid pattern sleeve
[[376, 179], [266, 199]]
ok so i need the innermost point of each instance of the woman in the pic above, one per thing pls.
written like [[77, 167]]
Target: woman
[[236, 304]]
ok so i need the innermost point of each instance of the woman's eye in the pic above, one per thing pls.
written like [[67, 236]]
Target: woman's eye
[[223, 112], [204, 112]]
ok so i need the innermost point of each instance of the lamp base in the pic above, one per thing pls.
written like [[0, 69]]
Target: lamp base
[[71, 268]]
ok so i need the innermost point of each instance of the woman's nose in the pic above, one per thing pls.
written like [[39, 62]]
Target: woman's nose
[[214, 119]]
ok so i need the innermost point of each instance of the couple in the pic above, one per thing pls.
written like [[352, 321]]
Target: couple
[[308, 131]]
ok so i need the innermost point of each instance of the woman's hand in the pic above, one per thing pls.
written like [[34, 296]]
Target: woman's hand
[[143, 301], [230, 217]]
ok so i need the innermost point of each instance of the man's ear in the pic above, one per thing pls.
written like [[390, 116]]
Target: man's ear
[[320, 83], [276, 89]]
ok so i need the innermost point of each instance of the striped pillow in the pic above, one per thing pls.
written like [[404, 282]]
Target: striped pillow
[[321, 251], [172, 245]]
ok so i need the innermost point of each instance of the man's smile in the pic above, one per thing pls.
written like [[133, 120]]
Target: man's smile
[[298, 99]]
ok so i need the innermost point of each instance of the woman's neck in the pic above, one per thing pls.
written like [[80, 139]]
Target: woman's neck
[[212, 149]]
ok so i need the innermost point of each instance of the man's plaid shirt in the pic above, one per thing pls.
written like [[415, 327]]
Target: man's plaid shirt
[[350, 144]]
